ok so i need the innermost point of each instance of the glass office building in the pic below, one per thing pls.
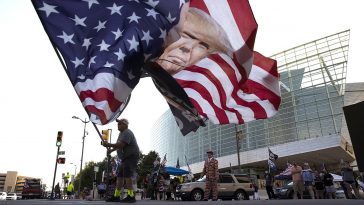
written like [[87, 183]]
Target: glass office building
[[307, 128]]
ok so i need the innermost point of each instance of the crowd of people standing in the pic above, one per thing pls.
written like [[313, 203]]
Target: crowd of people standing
[[319, 184]]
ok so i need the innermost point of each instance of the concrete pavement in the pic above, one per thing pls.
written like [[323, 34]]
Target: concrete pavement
[[154, 202]]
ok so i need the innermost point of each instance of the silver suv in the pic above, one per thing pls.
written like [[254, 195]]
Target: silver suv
[[229, 186]]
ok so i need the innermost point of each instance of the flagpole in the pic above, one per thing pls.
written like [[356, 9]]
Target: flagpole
[[268, 162]]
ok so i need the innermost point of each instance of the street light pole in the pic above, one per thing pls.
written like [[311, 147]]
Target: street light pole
[[83, 146], [238, 136], [74, 176]]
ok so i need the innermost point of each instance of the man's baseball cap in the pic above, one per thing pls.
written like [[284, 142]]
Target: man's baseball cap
[[210, 152], [123, 120]]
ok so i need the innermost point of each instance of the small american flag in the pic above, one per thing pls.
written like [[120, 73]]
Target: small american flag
[[164, 161], [232, 90], [104, 45]]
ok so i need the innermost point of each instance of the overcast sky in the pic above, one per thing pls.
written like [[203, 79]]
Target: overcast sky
[[37, 99]]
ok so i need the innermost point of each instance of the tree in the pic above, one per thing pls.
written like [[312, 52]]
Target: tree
[[88, 174], [145, 165]]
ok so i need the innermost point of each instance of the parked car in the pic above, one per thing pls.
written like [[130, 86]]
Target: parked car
[[229, 186], [286, 192], [11, 196], [3, 195]]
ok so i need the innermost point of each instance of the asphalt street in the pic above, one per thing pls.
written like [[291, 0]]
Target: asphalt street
[[152, 202]]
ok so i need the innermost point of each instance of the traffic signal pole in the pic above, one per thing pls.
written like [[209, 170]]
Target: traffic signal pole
[[54, 175]]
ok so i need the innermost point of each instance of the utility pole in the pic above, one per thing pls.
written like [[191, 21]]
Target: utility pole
[[96, 169], [83, 146]]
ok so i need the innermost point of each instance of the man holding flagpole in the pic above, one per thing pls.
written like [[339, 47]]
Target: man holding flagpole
[[128, 151]]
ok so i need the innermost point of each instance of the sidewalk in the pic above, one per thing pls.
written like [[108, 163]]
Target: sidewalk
[[262, 195]]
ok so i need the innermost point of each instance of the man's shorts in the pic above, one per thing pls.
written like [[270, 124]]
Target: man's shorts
[[128, 167]]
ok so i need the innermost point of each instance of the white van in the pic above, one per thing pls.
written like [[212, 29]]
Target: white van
[[3, 196]]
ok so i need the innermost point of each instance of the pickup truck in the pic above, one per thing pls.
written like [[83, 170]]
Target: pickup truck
[[32, 189]]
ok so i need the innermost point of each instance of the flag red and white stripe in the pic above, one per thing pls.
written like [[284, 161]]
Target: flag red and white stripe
[[237, 19], [103, 97], [233, 90], [217, 89]]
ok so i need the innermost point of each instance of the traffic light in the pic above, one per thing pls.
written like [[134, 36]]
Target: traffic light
[[105, 135], [59, 138], [61, 160]]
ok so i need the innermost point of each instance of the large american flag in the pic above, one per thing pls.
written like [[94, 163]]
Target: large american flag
[[232, 90], [104, 45]]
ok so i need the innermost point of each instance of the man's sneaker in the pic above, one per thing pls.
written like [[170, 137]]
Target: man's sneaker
[[128, 199], [113, 199]]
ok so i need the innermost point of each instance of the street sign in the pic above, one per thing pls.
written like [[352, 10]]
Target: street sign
[[61, 152]]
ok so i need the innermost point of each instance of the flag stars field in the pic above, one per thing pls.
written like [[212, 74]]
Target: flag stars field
[[100, 26], [146, 37], [86, 42], [78, 62], [117, 33], [48, 9], [92, 61], [163, 33], [108, 65], [115, 9], [91, 2], [152, 12], [170, 18], [108, 29], [134, 17], [152, 3], [133, 44], [120, 55], [104, 46], [66, 38], [79, 21]]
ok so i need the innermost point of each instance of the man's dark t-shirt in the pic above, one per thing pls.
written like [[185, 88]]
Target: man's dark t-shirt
[[131, 149], [328, 179], [268, 179]]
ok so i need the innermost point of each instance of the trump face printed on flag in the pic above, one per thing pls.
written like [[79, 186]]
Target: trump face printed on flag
[[195, 37]]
